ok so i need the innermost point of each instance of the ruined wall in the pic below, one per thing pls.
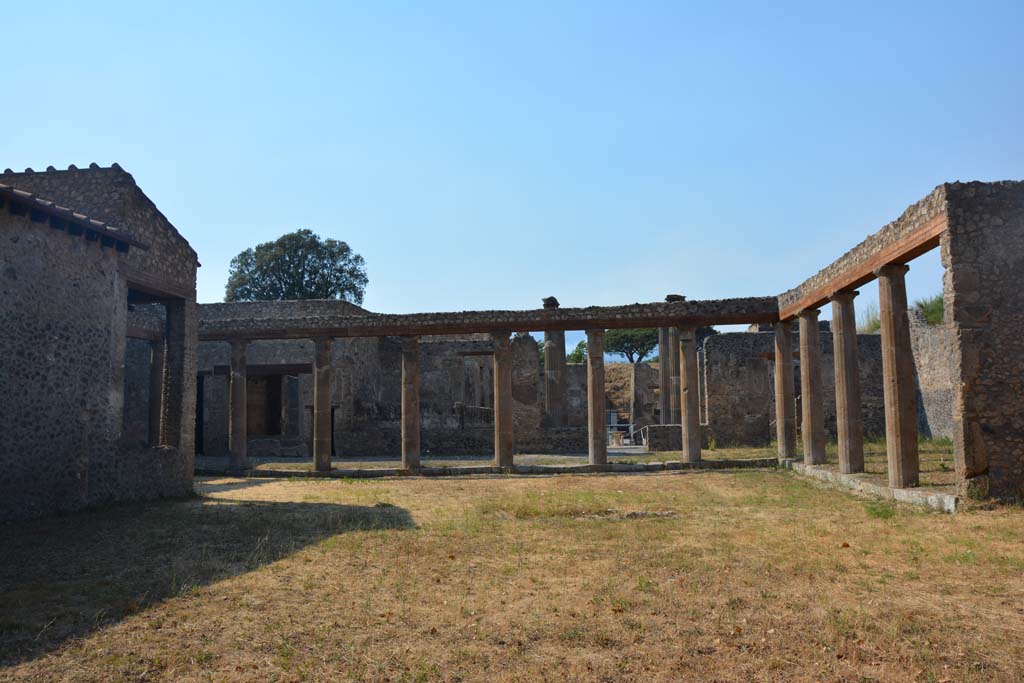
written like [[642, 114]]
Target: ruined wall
[[644, 395], [576, 394], [739, 374], [933, 366], [983, 255]]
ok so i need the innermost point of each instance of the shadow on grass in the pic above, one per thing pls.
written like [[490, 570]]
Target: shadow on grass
[[63, 578]]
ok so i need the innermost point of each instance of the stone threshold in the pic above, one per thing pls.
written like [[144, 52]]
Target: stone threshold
[[862, 484], [427, 471]]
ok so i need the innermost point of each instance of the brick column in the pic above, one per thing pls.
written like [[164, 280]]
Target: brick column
[[597, 442], [237, 415], [156, 390], [689, 396], [898, 377], [664, 377], [813, 422], [323, 425], [785, 401], [849, 425], [556, 413], [674, 406], [504, 436], [410, 403]]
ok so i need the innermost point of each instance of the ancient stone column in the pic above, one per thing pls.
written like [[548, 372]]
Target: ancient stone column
[[410, 403], [156, 391], [898, 377], [674, 405], [503, 431], [689, 396], [813, 422], [785, 401], [238, 435], [597, 432], [849, 427], [664, 377], [556, 413], [323, 424]]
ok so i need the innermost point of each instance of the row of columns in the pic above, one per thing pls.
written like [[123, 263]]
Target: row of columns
[[898, 383], [685, 348], [323, 378]]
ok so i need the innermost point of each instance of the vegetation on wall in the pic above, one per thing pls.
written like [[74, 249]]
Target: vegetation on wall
[[932, 308]]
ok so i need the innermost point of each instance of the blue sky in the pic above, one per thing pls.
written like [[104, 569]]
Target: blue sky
[[485, 156]]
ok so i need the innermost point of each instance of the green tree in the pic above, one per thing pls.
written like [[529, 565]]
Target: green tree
[[932, 308], [633, 344], [579, 354], [299, 265]]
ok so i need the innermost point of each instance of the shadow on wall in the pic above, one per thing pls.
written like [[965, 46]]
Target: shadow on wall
[[64, 578]]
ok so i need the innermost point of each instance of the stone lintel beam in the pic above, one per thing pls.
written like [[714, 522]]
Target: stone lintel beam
[[683, 313], [597, 438], [785, 398], [504, 435], [323, 424], [918, 230], [410, 403], [813, 422], [849, 427], [689, 396], [898, 377], [238, 433]]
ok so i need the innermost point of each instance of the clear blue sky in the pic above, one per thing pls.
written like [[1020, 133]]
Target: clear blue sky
[[483, 156]]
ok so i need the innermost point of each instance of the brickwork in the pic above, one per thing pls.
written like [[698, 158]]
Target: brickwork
[[983, 255], [64, 312]]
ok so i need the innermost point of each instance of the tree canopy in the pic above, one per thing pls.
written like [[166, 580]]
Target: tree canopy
[[299, 265], [634, 344], [579, 354]]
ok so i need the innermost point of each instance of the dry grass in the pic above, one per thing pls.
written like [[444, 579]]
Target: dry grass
[[724, 576], [627, 455]]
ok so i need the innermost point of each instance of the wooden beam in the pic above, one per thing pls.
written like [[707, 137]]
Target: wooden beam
[[906, 249]]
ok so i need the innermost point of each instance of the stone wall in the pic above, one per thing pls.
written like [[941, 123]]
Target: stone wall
[[933, 347], [739, 395], [63, 312], [983, 255], [111, 195]]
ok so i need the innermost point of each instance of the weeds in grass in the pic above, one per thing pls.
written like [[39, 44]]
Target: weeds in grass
[[880, 509]]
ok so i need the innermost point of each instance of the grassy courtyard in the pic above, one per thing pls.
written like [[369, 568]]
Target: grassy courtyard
[[709, 576]]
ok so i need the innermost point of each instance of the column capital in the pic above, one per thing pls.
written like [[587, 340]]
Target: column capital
[[322, 340], [687, 331], [238, 343], [808, 313], [844, 295], [892, 270], [501, 338], [410, 343], [595, 333]]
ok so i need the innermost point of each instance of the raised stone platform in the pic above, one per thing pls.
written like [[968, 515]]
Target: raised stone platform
[[863, 484]]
